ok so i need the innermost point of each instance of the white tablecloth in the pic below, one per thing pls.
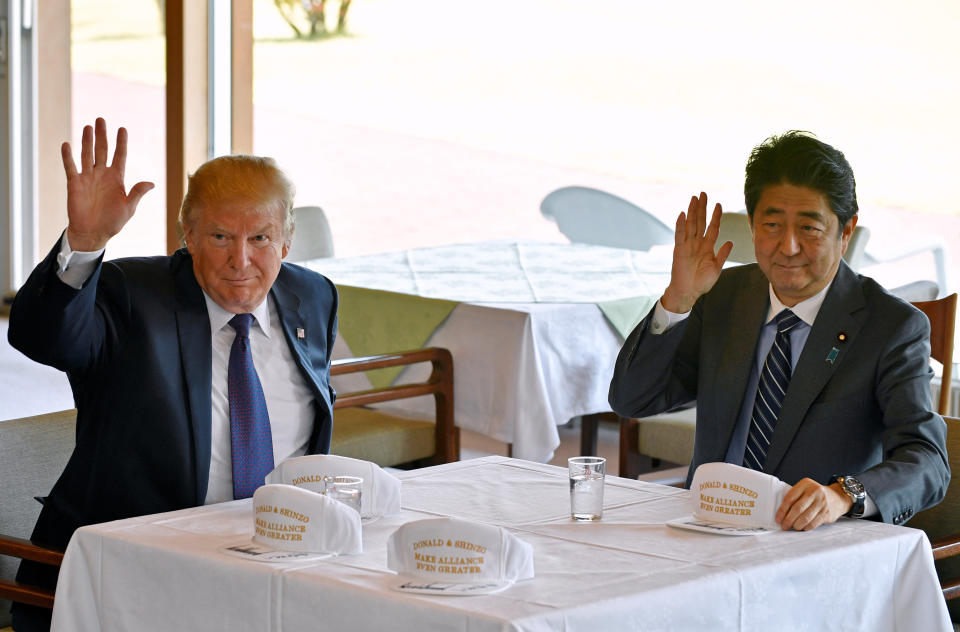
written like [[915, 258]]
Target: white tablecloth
[[626, 572], [531, 348], [520, 370]]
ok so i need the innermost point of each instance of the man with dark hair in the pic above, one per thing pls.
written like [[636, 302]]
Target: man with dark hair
[[799, 367], [193, 374]]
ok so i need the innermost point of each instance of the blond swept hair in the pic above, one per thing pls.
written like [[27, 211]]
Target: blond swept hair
[[238, 179]]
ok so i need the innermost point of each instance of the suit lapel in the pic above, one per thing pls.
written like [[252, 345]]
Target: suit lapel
[[822, 355], [295, 328], [193, 335], [745, 319]]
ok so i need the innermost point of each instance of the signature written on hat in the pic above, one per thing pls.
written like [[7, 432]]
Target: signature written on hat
[[456, 557]]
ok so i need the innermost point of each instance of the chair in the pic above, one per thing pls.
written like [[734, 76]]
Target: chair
[[942, 523], [591, 216], [34, 450], [917, 291], [735, 227], [897, 248], [387, 439], [943, 315], [670, 436], [312, 238]]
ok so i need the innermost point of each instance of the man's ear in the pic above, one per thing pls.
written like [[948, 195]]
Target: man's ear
[[188, 239], [847, 233]]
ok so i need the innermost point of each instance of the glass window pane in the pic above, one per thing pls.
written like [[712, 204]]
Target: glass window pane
[[118, 73], [431, 121]]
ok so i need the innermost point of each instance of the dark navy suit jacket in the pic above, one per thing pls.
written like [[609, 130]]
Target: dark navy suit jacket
[[135, 344]]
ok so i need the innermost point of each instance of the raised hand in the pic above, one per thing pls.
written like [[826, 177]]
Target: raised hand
[[695, 265], [98, 205]]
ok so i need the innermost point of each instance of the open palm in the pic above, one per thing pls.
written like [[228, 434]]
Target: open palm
[[98, 205], [696, 267]]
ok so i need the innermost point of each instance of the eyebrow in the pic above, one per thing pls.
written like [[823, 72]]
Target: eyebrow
[[772, 210], [216, 228]]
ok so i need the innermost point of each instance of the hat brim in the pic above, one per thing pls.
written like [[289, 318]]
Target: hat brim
[[248, 549], [692, 523], [421, 586]]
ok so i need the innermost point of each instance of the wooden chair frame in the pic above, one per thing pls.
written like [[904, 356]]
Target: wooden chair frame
[[27, 550], [439, 384], [949, 545], [943, 319]]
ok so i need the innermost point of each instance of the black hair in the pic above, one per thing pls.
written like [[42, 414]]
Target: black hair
[[800, 159]]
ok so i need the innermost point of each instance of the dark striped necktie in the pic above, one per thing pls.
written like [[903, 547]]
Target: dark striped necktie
[[774, 380], [251, 444]]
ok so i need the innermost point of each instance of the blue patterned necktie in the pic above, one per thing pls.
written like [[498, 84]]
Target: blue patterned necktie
[[250, 442], [774, 380]]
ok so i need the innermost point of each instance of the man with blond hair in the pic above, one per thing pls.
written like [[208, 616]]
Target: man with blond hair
[[194, 373]]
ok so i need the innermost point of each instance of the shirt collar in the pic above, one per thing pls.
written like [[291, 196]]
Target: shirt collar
[[220, 318], [806, 310]]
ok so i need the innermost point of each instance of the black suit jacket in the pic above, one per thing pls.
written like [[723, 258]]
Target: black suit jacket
[[866, 413], [135, 343]]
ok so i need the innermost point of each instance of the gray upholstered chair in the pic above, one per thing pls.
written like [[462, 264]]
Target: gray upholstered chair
[[386, 438], [591, 216], [312, 238], [33, 452]]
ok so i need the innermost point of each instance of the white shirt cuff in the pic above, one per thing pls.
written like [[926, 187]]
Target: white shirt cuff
[[74, 267], [664, 320], [869, 507]]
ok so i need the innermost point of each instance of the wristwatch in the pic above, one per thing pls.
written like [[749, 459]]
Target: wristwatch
[[854, 489]]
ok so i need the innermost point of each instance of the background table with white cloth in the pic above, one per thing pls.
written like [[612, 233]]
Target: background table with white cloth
[[627, 571], [534, 328]]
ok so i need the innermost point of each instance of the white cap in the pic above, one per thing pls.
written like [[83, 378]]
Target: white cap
[[290, 523], [447, 556], [379, 494], [733, 500]]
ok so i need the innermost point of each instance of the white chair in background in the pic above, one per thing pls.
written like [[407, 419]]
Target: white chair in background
[[312, 238], [897, 248], [591, 216]]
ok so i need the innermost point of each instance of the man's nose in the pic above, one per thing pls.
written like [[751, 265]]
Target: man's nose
[[239, 253], [790, 244]]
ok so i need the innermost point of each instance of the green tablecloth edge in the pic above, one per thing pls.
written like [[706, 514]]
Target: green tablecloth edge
[[625, 313], [412, 321]]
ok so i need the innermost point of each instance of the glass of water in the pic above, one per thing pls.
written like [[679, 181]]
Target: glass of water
[[346, 489], [586, 486]]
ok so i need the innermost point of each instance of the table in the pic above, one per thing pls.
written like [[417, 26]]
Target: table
[[533, 327], [628, 571]]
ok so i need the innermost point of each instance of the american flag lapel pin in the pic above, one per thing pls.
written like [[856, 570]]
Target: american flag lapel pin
[[300, 333]]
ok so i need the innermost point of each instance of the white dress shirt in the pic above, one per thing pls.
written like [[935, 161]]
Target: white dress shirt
[[290, 403]]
